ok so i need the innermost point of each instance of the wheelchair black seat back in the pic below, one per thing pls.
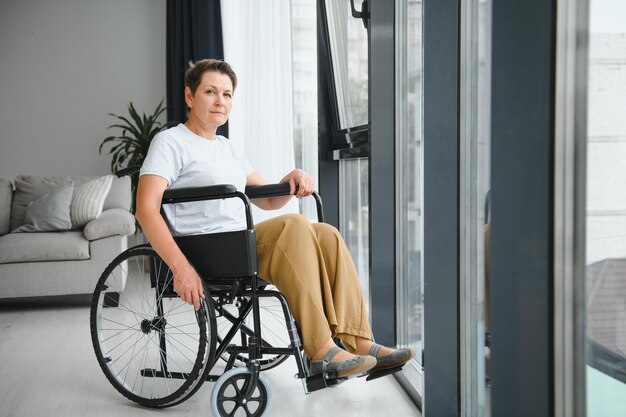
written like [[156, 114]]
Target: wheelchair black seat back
[[157, 350], [236, 251]]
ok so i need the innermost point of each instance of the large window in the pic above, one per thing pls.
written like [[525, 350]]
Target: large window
[[475, 203], [354, 220], [606, 211], [348, 43], [348, 46], [304, 63], [409, 196]]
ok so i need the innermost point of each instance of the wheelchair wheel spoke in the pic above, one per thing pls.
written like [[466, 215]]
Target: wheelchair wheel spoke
[[154, 349], [140, 352], [121, 342], [190, 360], [143, 361]]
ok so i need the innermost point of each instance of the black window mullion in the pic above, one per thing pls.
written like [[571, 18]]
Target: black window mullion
[[382, 205], [522, 164], [441, 208], [327, 117]]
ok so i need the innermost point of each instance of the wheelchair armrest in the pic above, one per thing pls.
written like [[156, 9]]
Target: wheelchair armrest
[[277, 190], [209, 192], [269, 190]]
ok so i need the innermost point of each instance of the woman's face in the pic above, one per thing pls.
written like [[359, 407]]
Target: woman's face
[[213, 99]]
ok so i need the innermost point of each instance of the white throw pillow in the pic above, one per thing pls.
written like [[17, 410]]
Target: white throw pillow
[[88, 200]]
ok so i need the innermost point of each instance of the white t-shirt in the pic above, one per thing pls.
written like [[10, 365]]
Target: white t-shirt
[[185, 159]]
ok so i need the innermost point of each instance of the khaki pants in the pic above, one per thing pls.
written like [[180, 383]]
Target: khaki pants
[[311, 266]]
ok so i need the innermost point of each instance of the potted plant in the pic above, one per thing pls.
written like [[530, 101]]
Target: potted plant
[[130, 147]]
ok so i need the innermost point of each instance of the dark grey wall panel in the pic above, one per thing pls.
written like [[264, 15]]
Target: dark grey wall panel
[[522, 209], [441, 207], [382, 169]]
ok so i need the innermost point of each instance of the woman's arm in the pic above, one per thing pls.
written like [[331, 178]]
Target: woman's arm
[[187, 283], [297, 177]]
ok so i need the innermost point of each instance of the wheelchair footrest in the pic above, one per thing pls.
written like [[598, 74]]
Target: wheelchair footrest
[[320, 381], [383, 372], [153, 373]]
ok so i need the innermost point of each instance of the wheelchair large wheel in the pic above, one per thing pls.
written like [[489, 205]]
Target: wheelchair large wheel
[[227, 398], [153, 347], [274, 331]]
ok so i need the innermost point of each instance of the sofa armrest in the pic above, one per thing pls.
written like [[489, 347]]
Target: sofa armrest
[[111, 222]]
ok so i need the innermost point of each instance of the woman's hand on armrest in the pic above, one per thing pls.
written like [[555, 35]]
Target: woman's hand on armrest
[[297, 177], [187, 282], [302, 180]]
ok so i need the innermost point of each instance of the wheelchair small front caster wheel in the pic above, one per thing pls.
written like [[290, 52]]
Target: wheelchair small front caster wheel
[[228, 396]]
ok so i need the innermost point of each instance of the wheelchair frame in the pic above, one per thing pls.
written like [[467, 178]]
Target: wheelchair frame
[[229, 278]]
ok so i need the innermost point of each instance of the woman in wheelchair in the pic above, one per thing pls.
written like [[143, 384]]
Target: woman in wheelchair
[[309, 263]]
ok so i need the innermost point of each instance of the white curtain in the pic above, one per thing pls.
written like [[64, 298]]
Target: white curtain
[[257, 44]]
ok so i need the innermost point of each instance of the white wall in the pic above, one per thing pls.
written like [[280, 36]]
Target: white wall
[[65, 64]]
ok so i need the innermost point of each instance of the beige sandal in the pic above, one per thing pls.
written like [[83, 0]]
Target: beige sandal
[[395, 359], [355, 366]]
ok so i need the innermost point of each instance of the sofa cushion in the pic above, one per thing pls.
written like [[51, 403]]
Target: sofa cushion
[[89, 199], [115, 221], [50, 246], [29, 188], [119, 195], [49, 213], [6, 195]]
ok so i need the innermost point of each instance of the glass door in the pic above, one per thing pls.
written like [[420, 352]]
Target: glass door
[[475, 208], [304, 64], [409, 195], [348, 45], [606, 211]]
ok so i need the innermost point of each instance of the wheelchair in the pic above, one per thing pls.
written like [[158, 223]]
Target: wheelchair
[[157, 350]]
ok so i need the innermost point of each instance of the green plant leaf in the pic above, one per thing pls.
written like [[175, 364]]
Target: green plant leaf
[[131, 140], [135, 116], [131, 145], [105, 141], [130, 127]]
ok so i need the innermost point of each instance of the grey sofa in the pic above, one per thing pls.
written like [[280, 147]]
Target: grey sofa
[[58, 263]]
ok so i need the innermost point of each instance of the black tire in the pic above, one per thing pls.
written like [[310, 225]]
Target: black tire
[[274, 331], [226, 398], [154, 348]]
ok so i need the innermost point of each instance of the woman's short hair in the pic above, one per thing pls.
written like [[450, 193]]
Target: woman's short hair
[[196, 70]]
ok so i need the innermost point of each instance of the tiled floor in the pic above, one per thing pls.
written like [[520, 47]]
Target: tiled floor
[[49, 369]]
